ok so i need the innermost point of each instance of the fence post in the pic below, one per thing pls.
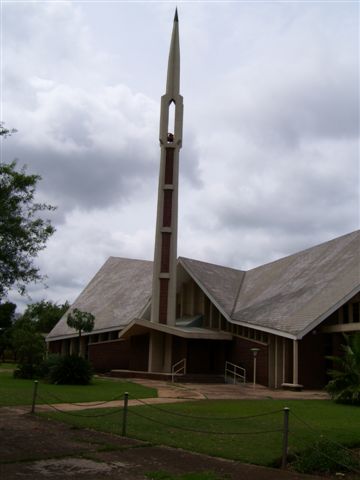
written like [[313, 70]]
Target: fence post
[[125, 412], [34, 396], [285, 437]]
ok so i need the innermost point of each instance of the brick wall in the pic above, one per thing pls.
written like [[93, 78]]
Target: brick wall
[[106, 356], [243, 356], [139, 353], [312, 363], [55, 347]]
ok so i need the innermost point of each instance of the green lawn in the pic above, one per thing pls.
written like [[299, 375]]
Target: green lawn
[[19, 392], [339, 423]]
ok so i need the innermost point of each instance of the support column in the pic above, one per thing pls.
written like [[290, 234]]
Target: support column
[[295, 362], [295, 374], [283, 360]]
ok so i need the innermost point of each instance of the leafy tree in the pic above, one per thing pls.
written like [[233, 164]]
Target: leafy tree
[[81, 321], [6, 132], [345, 384], [29, 346], [23, 231], [7, 311], [45, 314]]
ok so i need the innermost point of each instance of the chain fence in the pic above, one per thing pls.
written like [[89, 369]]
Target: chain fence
[[283, 429]]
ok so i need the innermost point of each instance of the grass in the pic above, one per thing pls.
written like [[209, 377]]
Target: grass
[[15, 391], [339, 423]]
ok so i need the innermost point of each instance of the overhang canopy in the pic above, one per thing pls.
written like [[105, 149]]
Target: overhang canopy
[[140, 326]]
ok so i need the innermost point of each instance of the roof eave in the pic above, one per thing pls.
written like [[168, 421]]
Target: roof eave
[[326, 314]]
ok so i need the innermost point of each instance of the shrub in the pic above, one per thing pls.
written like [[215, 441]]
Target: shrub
[[70, 370], [344, 387], [26, 370], [45, 369], [325, 457]]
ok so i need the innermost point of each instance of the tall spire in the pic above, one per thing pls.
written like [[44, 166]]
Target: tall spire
[[173, 72], [163, 306]]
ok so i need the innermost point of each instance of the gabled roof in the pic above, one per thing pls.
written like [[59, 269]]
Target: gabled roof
[[294, 294], [221, 284], [289, 296], [115, 296]]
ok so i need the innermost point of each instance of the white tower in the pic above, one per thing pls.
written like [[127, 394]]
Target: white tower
[[163, 308]]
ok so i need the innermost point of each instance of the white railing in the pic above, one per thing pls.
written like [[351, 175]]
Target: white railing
[[179, 368], [234, 371]]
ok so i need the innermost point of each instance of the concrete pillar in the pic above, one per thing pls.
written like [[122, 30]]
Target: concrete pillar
[[160, 352], [283, 360], [295, 362]]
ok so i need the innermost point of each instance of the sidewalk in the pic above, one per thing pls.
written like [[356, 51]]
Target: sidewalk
[[173, 393]]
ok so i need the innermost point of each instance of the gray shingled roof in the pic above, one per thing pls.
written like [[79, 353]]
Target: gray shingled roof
[[289, 296], [116, 295], [220, 283], [295, 292]]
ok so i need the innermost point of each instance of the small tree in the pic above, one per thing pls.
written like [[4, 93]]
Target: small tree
[[345, 384], [29, 348], [81, 321]]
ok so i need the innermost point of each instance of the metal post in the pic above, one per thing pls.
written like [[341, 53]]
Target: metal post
[[254, 383], [125, 412], [34, 396], [285, 437]]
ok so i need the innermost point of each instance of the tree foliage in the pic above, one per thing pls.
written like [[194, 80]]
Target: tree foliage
[[6, 132], [81, 321], [29, 346], [7, 315], [23, 231], [45, 314], [344, 387]]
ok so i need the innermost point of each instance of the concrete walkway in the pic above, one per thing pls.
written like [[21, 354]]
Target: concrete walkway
[[182, 392]]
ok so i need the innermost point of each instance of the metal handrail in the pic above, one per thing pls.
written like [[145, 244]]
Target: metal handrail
[[236, 371], [177, 371]]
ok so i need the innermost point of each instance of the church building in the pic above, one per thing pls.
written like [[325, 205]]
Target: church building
[[180, 316]]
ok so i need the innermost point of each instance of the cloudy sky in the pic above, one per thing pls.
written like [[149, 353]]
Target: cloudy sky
[[270, 158]]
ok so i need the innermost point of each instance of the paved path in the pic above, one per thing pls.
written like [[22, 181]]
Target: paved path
[[173, 393]]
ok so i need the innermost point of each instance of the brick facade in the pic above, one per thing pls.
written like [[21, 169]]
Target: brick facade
[[243, 356], [105, 356]]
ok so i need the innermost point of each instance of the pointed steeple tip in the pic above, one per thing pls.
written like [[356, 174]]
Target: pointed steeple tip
[[176, 18]]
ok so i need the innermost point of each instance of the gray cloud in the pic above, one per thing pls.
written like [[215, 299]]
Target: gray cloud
[[269, 163]]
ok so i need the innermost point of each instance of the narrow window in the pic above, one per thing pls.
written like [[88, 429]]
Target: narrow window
[[171, 122]]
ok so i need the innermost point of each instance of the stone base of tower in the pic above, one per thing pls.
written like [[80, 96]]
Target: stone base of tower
[[160, 352]]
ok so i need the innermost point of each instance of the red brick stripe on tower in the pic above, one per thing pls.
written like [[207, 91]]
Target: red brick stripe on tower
[[165, 252], [167, 212], [169, 166], [164, 284]]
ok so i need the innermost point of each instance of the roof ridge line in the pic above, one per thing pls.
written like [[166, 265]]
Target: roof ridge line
[[237, 294]]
